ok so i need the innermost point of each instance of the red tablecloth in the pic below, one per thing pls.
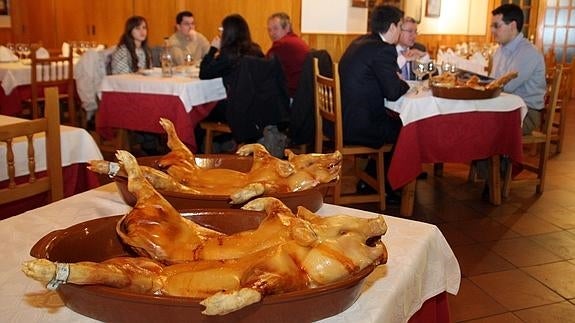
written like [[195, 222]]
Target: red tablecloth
[[77, 179], [434, 310], [142, 112], [11, 105], [459, 137]]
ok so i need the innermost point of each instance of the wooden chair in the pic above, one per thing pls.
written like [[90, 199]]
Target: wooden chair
[[54, 71], [50, 124], [542, 139], [213, 128], [559, 118], [328, 108]]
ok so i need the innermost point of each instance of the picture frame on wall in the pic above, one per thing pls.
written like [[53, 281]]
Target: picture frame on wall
[[433, 8], [3, 7], [359, 3]]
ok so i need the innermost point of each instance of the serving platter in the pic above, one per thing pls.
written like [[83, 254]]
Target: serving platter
[[96, 240], [312, 199], [463, 92]]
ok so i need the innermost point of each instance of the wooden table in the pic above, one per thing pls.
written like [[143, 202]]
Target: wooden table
[[420, 270], [437, 130], [136, 102]]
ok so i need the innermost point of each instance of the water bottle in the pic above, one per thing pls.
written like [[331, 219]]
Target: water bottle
[[166, 60]]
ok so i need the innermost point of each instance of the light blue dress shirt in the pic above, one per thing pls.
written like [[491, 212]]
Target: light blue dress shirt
[[521, 56]]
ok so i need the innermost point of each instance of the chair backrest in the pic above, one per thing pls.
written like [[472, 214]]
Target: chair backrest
[[566, 82], [52, 71], [551, 105], [327, 107], [24, 132]]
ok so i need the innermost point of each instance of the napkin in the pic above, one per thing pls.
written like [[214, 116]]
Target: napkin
[[478, 59], [42, 53], [6, 55]]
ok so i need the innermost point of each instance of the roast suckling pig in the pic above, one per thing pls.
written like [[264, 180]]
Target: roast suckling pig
[[268, 174], [286, 252], [156, 230], [322, 251]]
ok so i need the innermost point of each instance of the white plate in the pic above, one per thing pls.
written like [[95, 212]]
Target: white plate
[[151, 72]]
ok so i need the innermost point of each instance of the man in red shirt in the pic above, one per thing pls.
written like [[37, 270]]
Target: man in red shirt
[[288, 48]]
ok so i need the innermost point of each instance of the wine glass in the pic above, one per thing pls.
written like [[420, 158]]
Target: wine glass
[[19, 50], [419, 68], [26, 50]]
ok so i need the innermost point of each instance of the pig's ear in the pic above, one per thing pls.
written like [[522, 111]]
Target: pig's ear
[[289, 154], [306, 214], [303, 234]]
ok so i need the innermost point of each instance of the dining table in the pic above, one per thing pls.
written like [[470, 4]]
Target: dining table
[[412, 286], [440, 130], [77, 149], [137, 101], [15, 80]]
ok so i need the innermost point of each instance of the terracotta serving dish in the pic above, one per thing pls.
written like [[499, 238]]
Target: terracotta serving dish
[[463, 93], [311, 199], [96, 240]]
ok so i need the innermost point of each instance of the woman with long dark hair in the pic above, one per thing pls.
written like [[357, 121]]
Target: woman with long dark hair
[[225, 52], [132, 53]]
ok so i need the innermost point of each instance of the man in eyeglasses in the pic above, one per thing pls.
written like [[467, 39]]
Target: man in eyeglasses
[[408, 50], [516, 53], [186, 40]]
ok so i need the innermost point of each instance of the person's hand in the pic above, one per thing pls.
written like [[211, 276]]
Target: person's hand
[[216, 42], [413, 54], [192, 34]]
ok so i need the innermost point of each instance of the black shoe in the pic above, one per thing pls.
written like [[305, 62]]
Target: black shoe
[[391, 197], [363, 188], [422, 175], [485, 192]]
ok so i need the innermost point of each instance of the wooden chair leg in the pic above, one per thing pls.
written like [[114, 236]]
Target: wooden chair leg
[[381, 180], [407, 199], [208, 140]]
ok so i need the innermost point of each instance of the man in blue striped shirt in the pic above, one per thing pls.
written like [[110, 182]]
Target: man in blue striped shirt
[[516, 53]]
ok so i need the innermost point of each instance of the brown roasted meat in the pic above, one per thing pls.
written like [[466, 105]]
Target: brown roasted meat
[[268, 174], [313, 251]]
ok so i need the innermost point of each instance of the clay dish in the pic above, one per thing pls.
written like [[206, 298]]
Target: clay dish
[[312, 199], [96, 240]]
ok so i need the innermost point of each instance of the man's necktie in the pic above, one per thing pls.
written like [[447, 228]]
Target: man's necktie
[[405, 71]]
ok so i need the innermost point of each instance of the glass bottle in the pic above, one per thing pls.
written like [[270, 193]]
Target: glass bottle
[[166, 60]]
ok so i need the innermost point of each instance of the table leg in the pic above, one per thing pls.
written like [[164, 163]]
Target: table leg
[[407, 199], [495, 180]]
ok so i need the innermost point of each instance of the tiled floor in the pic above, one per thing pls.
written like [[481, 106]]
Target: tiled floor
[[517, 260]]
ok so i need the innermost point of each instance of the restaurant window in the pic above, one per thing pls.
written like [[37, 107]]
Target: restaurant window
[[558, 30]]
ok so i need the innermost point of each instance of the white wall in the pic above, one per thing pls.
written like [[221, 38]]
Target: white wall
[[332, 17], [458, 17]]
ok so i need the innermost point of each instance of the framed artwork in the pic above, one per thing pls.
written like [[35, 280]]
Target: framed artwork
[[433, 8], [3, 7], [359, 3]]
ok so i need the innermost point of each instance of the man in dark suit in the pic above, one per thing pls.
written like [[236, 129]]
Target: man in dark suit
[[369, 75], [408, 50]]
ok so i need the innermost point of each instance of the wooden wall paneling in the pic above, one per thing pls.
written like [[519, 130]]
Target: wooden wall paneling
[[35, 25], [209, 14], [5, 35], [108, 18], [161, 17], [72, 18]]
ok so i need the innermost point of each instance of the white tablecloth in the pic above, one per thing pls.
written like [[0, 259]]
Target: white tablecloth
[[15, 74], [76, 144], [420, 266], [191, 91], [417, 105]]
